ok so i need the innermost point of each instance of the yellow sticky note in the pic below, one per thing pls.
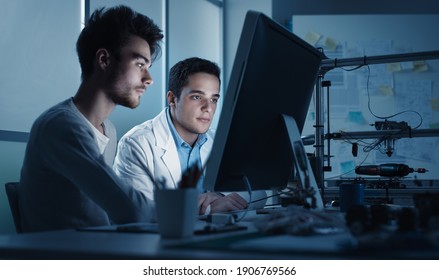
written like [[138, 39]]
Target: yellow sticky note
[[434, 104], [331, 44], [312, 38], [420, 66], [393, 67], [386, 90]]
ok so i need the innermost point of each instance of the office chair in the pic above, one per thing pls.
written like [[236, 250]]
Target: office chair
[[12, 193]]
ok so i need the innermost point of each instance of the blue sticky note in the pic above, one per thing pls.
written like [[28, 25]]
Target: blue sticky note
[[356, 117]]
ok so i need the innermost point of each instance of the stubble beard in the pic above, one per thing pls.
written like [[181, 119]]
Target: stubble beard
[[125, 98]]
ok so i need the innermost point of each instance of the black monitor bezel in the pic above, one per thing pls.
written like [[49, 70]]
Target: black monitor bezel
[[255, 22]]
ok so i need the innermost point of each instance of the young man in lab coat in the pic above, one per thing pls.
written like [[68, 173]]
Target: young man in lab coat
[[178, 137]]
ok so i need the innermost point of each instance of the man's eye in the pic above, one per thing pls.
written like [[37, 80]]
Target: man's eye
[[141, 65], [195, 97], [214, 100]]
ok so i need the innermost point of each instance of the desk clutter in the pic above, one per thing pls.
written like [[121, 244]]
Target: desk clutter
[[296, 220], [375, 228], [383, 232], [289, 232], [387, 227], [373, 220]]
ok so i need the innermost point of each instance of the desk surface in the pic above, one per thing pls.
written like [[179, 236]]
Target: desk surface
[[79, 244], [247, 244]]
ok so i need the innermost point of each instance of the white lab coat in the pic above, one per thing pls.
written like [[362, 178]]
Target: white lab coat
[[151, 145]]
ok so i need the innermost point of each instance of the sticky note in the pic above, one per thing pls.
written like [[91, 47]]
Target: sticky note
[[331, 44], [393, 67], [386, 90], [347, 166], [434, 104], [312, 38], [420, 66], [356, 117]]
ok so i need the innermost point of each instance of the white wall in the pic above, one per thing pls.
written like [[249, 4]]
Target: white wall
[[234, 15], [39, 66], [195, 29]]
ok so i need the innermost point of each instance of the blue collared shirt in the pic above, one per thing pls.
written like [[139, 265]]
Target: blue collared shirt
[[188, 155]]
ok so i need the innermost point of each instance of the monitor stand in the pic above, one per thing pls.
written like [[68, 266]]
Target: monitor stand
[[302, 166]]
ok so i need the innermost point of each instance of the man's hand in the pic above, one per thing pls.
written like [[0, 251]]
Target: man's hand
[[219, 203]]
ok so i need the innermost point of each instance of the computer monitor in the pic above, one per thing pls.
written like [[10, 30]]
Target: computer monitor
[[274, 74]]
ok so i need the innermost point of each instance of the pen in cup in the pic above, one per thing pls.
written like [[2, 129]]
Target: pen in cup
[[190, 177]]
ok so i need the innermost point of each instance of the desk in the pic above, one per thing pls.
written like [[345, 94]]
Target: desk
[[248, 244], [74, 244]]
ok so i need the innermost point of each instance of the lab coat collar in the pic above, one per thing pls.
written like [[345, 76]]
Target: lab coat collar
[[164, 140]]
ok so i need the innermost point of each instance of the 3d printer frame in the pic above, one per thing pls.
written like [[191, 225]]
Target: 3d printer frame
[[329, 64]]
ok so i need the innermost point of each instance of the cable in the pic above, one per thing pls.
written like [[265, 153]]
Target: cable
[[270, 196], [249, 189], [350, 171]]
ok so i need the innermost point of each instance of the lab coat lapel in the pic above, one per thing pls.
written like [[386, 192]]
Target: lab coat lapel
[[165, 141]]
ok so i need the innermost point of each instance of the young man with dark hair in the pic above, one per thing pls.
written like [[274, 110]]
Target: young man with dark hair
[[67, 180]]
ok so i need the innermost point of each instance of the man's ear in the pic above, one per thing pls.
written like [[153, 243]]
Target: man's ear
[[103, 58], [171, 98]]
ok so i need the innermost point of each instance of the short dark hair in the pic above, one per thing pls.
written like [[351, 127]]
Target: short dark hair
[[180, 72], [111, 29]]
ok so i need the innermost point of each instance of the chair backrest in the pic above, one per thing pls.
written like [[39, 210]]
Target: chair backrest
[[12, 193]]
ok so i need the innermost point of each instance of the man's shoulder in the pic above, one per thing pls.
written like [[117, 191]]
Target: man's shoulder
[[60, 114], [59, 124]]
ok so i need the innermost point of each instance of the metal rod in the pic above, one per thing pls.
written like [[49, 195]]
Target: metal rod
[[319, 146], [391, 133], [328, 129], [329, 64]]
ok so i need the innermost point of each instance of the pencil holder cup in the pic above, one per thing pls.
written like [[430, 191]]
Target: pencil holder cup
[[177, 212]]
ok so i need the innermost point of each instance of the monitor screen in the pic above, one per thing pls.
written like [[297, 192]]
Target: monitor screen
[[274, 74]]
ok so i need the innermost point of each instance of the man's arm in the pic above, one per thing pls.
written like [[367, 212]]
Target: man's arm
[[70, 148]]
